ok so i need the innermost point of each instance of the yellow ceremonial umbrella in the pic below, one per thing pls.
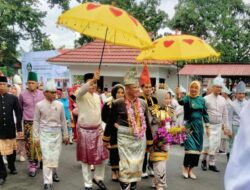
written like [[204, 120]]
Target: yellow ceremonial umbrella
[[178, 48], [107, 23]]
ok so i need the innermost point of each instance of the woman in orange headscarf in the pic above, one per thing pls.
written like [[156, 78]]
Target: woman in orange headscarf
[[194, 113]]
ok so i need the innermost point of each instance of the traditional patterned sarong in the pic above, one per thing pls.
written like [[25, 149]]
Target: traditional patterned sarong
[[21, 147], [33, 153], [131, 153], [160, 177], [21, 151], [212, 142], [7, 146], [51, 143], [90, 147]]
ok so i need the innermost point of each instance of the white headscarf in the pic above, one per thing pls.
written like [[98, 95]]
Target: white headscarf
[[237, 171], [160, 95], [18, 89], [17, 79]]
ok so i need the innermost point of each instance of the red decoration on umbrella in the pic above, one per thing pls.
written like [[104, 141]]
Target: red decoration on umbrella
[[115, 12], [188, 41], [134, 20], [168, 43], [92, 6]]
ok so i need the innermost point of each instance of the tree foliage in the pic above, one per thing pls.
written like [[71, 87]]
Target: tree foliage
[[43, 44], [19, 19], [64, 4], [224, 24]]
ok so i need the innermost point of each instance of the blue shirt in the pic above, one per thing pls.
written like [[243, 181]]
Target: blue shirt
[[65, 102]]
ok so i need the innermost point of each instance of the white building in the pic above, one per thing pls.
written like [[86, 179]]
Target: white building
[[116, 61]]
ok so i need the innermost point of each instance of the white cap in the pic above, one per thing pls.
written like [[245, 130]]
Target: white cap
[[218, 81], [50, 85]]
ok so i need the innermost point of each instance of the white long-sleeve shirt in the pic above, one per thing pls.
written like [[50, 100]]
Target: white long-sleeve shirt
[[230, 112], [89, 106], [237, 171], [237, 107], [217, 110], [49, 115]]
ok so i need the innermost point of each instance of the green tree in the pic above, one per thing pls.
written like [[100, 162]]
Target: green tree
[[19, 19], [147, 12], [82, 40], [43, 44], [64, 4], [224, 24]]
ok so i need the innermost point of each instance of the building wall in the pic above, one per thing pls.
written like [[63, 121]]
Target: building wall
[[170, 76], [116, 73]]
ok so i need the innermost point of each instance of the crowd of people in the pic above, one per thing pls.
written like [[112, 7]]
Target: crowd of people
[[130, 128]]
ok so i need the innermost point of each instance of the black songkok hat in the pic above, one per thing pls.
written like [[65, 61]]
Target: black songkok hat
[[3, 79], [88, 76]]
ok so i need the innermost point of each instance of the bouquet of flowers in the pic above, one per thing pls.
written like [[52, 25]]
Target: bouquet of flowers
[[178, 133], [161, 139], [164, 136]]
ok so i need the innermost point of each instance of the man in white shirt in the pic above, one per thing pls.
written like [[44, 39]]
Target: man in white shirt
[[237, 172], [224, 138], [238, 104], [90, 149], [49, 120], [218, 117]]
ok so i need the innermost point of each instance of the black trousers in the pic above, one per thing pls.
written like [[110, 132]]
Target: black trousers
[[146, 163], [114, 159], [11, 164]]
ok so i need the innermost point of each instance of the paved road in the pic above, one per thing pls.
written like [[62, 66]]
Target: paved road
[[71, 176]]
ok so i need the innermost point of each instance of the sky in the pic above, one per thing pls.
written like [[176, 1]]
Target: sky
[[64, 37]]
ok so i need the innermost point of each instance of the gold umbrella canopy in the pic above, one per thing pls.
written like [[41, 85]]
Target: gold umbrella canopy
[[108, 23], [178, 48]]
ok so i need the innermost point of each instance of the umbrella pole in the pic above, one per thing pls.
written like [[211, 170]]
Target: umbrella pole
[[178, 77], [103, 48]]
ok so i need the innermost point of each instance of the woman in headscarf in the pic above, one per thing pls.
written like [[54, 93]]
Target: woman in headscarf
[[164, 119], [117, 92], [194, 113], [15, 89]]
